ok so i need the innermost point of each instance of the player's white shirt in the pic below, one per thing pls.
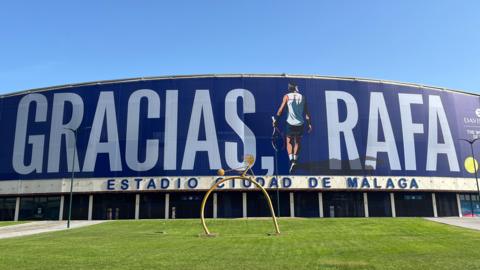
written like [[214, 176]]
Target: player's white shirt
[[296, 106]]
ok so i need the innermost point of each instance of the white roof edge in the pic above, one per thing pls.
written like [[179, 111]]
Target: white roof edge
[[283, 75]]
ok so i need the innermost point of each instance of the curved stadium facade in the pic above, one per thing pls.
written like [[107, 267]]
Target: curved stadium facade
[[150, 148]]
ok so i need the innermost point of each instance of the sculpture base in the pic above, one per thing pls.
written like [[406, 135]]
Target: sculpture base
[[208, 235]]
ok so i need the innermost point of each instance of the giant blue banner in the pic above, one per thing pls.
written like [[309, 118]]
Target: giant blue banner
[[194, 126]]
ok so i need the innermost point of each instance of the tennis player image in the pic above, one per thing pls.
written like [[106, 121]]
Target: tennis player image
[[297, 117]]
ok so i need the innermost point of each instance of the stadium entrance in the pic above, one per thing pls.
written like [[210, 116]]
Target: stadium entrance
[[238, 204]]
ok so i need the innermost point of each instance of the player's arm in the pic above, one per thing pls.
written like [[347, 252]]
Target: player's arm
[[280, 110], [307, 117]]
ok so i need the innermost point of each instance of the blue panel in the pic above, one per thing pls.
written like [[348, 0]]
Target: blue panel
[[461, 111]]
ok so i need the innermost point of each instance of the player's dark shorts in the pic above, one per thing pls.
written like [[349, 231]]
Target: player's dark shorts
[[294, 131]]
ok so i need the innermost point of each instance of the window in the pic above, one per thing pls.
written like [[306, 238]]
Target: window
[[306, 204], [152, 205], [7, 208], [114, 206], [79, 207], [39, 208], [413, 204], [343, 204], [379, 204]]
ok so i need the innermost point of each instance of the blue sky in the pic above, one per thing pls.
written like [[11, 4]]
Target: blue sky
[[46, 43]]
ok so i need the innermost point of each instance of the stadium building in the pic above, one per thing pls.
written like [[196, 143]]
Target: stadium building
[[150, 148]]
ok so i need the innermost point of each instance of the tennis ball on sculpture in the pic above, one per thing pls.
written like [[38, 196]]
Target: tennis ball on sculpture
[[249, 159], [220, 172]]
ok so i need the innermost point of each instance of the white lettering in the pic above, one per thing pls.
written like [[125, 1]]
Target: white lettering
[[379, 112], [335, 128], [436, 112], [59, 129], [202, 106], [171, 125], [409, 129], [105, 113], [234, 121], [36, 141], [133, 125]]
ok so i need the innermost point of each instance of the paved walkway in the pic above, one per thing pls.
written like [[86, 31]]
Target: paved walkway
[[41, 227], [465, 222]]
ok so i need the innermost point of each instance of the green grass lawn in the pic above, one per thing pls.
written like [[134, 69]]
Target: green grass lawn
[[8, 223], [400, 243]]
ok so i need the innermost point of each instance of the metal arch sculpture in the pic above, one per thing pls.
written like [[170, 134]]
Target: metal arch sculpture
[[249, 159]]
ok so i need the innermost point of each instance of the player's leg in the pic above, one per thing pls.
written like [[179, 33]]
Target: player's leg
[[289, 142], [292, 133], [297, 146], [290, 146], [296, 137], [291, 150]]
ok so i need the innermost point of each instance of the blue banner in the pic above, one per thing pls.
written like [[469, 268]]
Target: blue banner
[[194, 126]]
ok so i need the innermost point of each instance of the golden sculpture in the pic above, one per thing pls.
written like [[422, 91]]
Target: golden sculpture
[[249, 160]]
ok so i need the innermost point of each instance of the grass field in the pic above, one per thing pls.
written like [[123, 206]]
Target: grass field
[[243, 244], [8, 223]]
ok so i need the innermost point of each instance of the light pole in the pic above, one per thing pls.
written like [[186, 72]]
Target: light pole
[[471, 142], [73, 175], [278, 183]]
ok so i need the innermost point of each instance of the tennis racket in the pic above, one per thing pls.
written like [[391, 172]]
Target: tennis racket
[[278, 140]]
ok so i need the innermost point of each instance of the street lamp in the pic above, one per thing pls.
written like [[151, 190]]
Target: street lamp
[[471, 142], [73, 173]]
